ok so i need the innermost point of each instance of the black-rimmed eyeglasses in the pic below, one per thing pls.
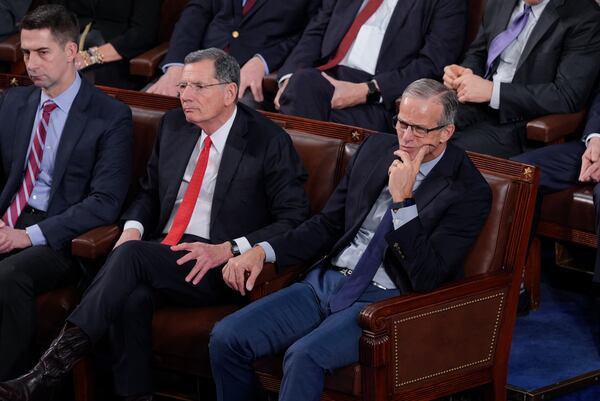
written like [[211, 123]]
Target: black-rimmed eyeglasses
[[417, 130]]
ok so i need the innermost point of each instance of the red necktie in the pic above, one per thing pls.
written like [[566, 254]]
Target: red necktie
[[248, 6], [349, 37], [184, 214], [32, 171]]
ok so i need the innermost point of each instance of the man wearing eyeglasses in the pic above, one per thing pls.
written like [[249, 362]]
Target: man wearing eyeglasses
[[221, 178], [401, 220]]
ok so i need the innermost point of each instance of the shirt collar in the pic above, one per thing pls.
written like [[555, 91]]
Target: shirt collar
[[219, 137], [65, 99], [426, 167], [536, 10]]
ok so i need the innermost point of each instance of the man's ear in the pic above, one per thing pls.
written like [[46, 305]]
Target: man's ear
[[447, 132], [231, 93], [71, 50]]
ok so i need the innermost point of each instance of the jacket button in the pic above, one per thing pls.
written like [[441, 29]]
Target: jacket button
[[235, 34]]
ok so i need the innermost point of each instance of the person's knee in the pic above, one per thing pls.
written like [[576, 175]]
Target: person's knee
[[302, 85], [303, 355], [226, 338], [139, 301]]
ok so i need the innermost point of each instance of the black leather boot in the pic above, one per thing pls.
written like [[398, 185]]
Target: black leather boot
[[68, 348]]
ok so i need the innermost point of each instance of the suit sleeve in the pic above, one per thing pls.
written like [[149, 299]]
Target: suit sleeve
[[284, 177], [142, 32], [277, 54], [430, 259], [107, 189], [188, 34], [593, 119], [307, 52], [442, 46], [568, 93], [476, 56]]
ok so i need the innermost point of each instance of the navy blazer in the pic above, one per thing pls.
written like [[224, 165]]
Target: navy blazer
[[559, 64], [259, 191], [423, 36], [453, 203], [93, 161], [272, 29], [593, 119]]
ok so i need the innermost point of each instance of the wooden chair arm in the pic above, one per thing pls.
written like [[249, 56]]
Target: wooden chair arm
[[10, 48], [269, 84], [95, 243], [146, 63], [554, 127]]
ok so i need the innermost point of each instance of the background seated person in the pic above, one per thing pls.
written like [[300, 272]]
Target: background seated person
[[356, 57], [11, 12], [65, 160], [258, 33], [566, 164], [119, 31], [221, 178], [530, 58], [401, 220]]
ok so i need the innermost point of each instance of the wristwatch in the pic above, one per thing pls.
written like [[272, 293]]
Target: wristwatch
[[235, 249], [405, 203], [373, 95]]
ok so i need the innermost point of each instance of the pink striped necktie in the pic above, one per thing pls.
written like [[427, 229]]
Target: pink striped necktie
[[33, 167]]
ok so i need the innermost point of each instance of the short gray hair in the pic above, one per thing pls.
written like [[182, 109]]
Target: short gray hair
[[426, 88], [227, 68]]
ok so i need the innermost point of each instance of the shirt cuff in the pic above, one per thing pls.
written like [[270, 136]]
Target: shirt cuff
[[269, 252], [164, 67], [243, 244], [495, 100], [264, 63], [134, 224], [35, 235], [403, 215], [285, 77], [590, 136]]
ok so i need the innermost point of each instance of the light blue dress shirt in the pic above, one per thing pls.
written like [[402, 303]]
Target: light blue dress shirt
[[350, 255], [40, 196]]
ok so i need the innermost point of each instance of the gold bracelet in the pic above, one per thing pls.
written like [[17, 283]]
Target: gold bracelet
[[85, 56], [96, 55]]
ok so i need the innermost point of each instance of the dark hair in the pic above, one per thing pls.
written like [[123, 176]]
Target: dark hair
[[227, 68], [61, 22], [426, 88]]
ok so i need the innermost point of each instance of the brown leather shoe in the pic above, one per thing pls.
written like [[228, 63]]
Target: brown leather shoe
[[68, 348]]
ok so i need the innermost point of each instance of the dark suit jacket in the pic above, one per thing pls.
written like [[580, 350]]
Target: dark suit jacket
[[422, 37], [259, 191], [453, 202], [559, 64], [93, 162], [272, 28], [593, 119]]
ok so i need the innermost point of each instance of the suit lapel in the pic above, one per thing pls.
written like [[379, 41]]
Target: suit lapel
[[437, 180], [255, 7], [401, 12], [25, 126], [232, 154], [344, 16], [547, 19]]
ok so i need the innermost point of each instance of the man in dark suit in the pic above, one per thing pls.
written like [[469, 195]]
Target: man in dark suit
[[565, 164], [260, 34], [391, 227], [65, 160], [356, 57], [530, 58], [221, 179]]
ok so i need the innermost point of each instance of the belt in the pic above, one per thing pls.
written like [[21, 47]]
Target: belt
[[346, 272], [31, 210]]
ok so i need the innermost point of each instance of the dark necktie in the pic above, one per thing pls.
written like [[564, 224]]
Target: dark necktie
[[247, 7], [365, 269], [505, 38]]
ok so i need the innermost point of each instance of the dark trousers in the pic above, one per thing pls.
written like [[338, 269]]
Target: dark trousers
[[560, 166], [121, 300], [297, 319], [24, 274], [478, 130], [308, 94]]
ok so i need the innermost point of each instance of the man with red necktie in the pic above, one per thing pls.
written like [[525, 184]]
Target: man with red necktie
[[65, 160], [221, 178], [530, 58], [356, 57]]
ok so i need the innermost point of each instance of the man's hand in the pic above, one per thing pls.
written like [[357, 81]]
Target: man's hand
[[131, 234], [472, 88], [347, 94], [11, 239], [207, 256], [280, 91], [403, 174], [590, 162], [452, 73], [234, 272], [166, 85], [251, 76]]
